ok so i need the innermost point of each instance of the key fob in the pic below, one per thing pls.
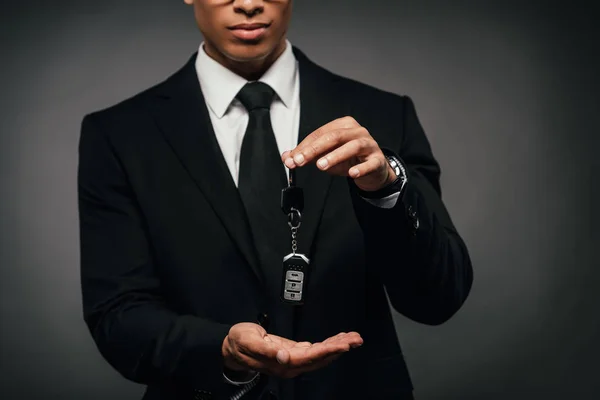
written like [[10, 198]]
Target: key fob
[[295, 276], [292, 197]]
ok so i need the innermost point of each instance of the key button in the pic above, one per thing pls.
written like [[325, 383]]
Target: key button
[[292, 296], [290, 285], [294, 276]]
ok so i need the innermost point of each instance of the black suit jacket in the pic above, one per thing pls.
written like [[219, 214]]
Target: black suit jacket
[[168, 265]]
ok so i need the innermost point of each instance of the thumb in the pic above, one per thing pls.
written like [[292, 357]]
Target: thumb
[[283, 356]]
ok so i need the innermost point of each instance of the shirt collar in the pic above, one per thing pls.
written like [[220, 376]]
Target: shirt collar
[[220, 85]]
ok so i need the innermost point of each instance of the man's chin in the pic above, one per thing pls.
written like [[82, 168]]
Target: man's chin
[[248, 53]]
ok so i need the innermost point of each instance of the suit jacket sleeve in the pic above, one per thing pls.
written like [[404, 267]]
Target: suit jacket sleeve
[[129, 320], [414, 246]]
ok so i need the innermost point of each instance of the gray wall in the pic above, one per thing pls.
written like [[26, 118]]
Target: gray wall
[[507, 94]]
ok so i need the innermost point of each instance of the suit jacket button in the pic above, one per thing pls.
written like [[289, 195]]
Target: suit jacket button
[[411, 212]]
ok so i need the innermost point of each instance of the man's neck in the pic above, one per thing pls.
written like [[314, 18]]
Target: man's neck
[[249, 70]]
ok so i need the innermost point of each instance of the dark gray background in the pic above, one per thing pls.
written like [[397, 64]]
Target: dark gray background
[[506, 92]]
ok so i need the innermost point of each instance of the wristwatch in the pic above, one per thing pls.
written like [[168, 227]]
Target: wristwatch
[[397, 185], [399, 170]]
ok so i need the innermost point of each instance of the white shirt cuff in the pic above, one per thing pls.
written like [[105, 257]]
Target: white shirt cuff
[[385, 202]]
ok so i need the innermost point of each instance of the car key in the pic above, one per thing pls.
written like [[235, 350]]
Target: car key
[[295, 265], [292, 197]]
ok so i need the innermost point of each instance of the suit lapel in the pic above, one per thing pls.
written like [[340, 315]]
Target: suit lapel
[[183, 117], [318, 106]]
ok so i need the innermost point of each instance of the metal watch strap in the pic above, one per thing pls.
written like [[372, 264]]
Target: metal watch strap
[[396, 186]]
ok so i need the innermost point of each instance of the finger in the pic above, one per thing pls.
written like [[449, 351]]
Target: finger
[[283, 357], [357, 148], [335, 337], [311, 149], [302, 357], [371, 165], [347, 336], [342, 340], [339, 123], [353, 339], [343, 336]]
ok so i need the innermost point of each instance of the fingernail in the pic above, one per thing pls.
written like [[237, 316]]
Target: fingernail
[[354, 173], [281, 358], [299, 159], [289, 162], [323, 163], [267, 339]]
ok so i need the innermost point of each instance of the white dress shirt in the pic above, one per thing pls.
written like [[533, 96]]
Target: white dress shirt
[[230, 118]]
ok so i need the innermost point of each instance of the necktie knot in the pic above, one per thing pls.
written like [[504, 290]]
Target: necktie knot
[[256, 95]]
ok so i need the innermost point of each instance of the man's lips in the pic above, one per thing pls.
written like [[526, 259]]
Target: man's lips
[[248, 26], [249, 31]]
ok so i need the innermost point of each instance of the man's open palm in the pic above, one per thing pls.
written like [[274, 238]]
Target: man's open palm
[[249, 346]]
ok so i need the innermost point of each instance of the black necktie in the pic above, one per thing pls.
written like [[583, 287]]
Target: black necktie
[[262, 175]]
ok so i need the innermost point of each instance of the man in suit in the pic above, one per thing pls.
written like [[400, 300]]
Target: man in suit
[[183, 237]]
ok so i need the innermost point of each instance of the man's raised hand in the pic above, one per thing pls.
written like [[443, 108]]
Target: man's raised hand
[[344, 147]]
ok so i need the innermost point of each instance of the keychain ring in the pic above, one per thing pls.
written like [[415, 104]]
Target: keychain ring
[[294, 218]]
